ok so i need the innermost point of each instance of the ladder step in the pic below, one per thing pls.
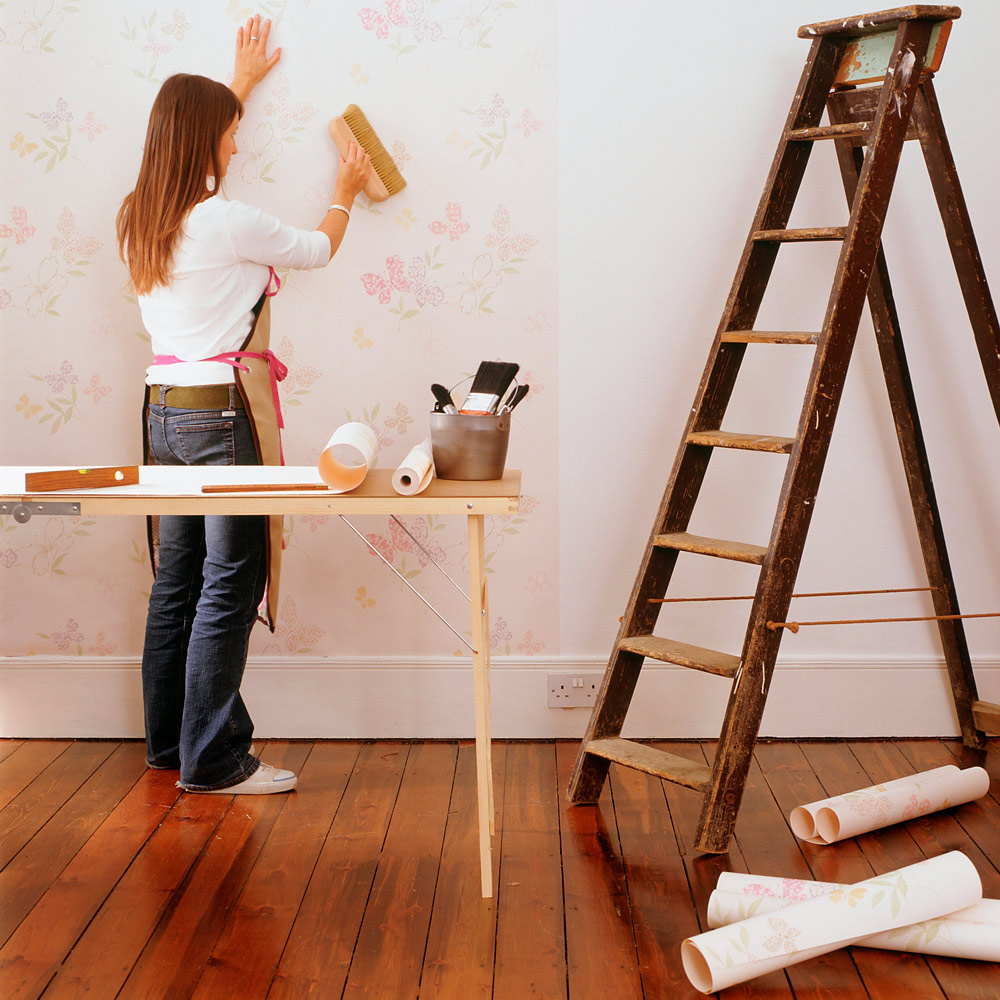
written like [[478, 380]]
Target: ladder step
[[664, 765], [769, 337], [986, 715], [742, 442], [669, 651], [800, 235], [719, 547], [848, 130]]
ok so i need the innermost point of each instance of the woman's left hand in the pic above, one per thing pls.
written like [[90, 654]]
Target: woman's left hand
[[252, 63]]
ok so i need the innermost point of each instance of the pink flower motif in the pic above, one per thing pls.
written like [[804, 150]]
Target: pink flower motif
[[426, 294], [60, 113], [401, 541], [755, 889], [73, 246], [529, 644], [178, 26], [453, 226], [527, 124], [287, 113], [489, 114], [314, 520], [61, 377], [8, 558], [528, 504], [95, 390], [425, 550], [383, 285], [92, 127], [102, 646], [400, 420], [72, 633], [507, 242], [916, 807], [381, 545], [399, 153], [154, 46], [21, 230], [424, 29], [295, 634], [500, 633], [5, 298], [379, 21]]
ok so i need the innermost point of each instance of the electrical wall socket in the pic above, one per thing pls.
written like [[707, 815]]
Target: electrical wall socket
[[569, 690]]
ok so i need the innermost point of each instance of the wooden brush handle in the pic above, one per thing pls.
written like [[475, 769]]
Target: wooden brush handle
[[342, 137]]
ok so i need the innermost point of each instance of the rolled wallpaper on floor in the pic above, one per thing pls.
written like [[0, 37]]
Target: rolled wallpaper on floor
[[841, 816], [760, 944], [970, 933]]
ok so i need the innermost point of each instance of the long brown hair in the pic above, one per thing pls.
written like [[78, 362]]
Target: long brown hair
[[187, 122]]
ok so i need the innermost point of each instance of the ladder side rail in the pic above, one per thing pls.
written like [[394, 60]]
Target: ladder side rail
[[801, 483], [714, 392], [961, 238], [916, 466]]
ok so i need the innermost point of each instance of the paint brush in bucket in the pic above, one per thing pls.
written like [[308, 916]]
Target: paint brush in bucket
[[491, 381]]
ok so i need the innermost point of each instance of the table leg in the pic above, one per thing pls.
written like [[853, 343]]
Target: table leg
[[480, 662], [489, 710]]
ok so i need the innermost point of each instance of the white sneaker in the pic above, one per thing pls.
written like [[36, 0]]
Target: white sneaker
[[266, 780]]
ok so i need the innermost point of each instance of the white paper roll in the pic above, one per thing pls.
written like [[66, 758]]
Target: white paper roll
[[416, 472], [344, 461], [973, 932], [929, 889], [803, 818], [841, 816]]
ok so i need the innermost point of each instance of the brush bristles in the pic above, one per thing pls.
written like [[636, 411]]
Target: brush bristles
[[382, 163]]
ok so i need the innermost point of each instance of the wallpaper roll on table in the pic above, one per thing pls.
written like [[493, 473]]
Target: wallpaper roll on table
[[929, 889], [344, 462], [973, 932], [853, 813], [416, 472]]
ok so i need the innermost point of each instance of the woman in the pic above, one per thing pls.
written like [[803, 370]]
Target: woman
[[201, 266]]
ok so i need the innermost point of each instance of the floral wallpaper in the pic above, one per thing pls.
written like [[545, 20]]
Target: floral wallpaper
[[457, 268]]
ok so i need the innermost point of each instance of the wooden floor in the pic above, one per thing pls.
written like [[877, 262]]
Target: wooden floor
[[364, 881]]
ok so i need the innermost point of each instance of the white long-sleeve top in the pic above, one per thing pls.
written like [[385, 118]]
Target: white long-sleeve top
[[220, 269]]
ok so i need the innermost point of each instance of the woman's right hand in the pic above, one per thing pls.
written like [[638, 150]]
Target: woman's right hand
[[353, 173]]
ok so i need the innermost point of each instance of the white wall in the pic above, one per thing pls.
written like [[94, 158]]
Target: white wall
[[669, 123], [668, 117]]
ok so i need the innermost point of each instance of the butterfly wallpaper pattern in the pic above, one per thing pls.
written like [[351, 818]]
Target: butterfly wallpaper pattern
[[458, 268]]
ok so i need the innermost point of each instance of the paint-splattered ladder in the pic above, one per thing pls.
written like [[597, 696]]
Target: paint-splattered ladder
[[897, 52]]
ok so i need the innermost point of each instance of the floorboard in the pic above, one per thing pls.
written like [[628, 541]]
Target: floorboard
[[364, 881]]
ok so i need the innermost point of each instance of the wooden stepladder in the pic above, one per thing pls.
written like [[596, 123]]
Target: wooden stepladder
[[900, 49]]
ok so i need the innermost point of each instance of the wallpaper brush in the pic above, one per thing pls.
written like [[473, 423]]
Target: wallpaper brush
[[386, 179]]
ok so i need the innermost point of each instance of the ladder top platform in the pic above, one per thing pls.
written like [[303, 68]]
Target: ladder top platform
[[880, 20]]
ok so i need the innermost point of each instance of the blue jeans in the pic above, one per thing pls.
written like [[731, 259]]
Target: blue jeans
[[210, 580]]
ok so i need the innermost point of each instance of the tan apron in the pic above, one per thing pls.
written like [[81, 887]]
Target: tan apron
[[258, 394]]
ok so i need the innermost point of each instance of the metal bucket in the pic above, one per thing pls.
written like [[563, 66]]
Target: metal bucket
[[469, 446]]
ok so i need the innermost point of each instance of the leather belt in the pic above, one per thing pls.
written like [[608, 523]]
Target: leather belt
[[198, 397]]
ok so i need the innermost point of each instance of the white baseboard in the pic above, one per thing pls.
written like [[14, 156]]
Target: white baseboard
[[429, 698]]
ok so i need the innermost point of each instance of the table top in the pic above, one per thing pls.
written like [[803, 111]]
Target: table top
[[176, 489]]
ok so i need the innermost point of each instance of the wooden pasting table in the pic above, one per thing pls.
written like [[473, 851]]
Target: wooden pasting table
[[177, 490]]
